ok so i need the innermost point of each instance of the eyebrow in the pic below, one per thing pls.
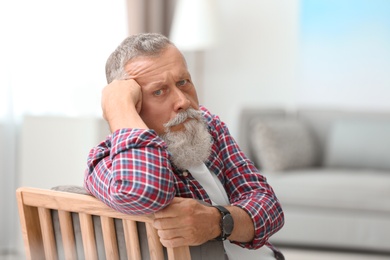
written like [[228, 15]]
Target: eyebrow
[[182, 75], [151, 85]]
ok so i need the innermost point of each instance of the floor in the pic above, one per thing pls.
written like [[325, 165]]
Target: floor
[[10, 256], [290, 254], [306, 254]]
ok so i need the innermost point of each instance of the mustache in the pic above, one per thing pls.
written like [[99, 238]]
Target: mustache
[[181, 117]]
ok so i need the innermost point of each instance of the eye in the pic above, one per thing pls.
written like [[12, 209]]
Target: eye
[[158, 92], [182, 83]]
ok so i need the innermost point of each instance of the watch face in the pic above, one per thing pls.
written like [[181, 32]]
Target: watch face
[[228, 224]]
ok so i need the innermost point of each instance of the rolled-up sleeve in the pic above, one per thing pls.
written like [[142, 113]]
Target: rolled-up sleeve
[[246, 187], [130, 172]]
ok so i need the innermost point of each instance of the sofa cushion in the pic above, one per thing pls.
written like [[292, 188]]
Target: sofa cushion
[[359, 144], [282, 144], [334, 189]]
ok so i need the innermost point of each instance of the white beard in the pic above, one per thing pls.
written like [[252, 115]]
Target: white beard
[[191, 146]]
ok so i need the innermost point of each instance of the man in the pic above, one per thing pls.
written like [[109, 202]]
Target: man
[[160, 138]]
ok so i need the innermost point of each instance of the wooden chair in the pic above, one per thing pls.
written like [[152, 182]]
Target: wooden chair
[[36, 208]]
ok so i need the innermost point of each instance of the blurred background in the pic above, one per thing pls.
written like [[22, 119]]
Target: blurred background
[[294, 53]]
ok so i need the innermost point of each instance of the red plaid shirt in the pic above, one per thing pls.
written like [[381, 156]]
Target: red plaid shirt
[[131, 172]]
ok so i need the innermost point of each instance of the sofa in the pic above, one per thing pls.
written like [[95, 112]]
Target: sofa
[[331, 171]]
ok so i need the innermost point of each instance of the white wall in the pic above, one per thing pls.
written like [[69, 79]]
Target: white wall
[[8, 215], [255, 62], [54, 149]]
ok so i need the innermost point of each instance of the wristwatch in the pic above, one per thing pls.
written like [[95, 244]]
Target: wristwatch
[[226, 224]]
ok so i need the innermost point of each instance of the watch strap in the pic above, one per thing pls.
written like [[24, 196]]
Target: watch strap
[[223, 211]]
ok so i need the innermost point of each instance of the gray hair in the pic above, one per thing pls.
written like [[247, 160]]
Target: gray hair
[[143, 44]]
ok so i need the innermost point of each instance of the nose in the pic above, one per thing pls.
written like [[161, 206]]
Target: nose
[[181, 101]]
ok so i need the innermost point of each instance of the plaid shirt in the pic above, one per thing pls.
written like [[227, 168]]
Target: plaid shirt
[[131, 172]]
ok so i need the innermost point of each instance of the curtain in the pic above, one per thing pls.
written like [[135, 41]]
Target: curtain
[[150, 16]]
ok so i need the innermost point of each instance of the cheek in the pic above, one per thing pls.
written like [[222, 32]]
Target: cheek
[[193, 97], [154, 118]]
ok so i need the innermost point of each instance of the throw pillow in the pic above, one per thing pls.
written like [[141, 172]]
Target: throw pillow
[[282, 144], [359, 144]]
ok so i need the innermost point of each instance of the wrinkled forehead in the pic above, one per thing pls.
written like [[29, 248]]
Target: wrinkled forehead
[[170, 59]]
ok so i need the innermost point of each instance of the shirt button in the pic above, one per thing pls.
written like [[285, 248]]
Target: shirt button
[[185, 173]]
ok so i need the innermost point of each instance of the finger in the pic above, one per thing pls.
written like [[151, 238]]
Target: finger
[[172, 210], [173, 237], [126, 76], [138, 106], [175, 242], [169, 223], [179, 240], [171, 233]]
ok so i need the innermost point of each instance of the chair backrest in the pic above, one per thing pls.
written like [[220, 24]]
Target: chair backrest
[[40, 235]]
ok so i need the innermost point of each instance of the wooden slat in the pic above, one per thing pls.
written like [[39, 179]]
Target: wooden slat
[[31, 229], [74, 203], [179, 253], [131, 239], [88, 236], [155, 246], [67, 234], [31, 198], [49, 241], [109, 238]]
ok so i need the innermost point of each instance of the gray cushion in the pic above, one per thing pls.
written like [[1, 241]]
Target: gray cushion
[[337, 189], [282, 144], [71, 189], [359, 144]]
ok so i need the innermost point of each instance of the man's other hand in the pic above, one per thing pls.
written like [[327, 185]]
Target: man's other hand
[[187, 222]]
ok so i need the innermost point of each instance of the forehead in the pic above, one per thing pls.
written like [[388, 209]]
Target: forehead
[[169, 60]]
